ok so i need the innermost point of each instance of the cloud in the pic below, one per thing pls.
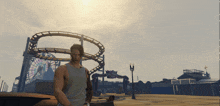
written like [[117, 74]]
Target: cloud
[[17, 10]]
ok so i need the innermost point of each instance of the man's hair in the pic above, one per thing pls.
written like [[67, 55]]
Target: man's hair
[[78, 47]]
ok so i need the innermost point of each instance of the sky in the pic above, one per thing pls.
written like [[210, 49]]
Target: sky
[[161, 37]]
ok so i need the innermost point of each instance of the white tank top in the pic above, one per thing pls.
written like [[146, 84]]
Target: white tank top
[[76, 86]]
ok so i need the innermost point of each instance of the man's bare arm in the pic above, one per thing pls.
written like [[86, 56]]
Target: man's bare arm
[[58, 86], [89, 91]]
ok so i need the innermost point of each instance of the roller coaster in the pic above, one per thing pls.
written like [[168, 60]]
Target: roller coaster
[[32, 51]]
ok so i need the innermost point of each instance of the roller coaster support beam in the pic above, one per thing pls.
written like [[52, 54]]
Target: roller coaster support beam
[[82, 46], [103, 72], [1, 87], [59, 63], [25, 67]]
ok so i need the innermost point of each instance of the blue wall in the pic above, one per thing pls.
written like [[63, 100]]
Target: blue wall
[[162, 90], [198, 89]]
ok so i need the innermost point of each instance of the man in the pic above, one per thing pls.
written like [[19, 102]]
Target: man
[[71, 80]]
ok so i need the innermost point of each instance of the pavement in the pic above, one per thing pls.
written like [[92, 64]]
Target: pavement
[[126, 100], [158, 100]]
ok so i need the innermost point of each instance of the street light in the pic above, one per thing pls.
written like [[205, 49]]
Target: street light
[[132, 70]]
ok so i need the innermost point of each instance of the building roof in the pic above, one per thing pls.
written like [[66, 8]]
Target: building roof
[[192, 75], [208, 80]]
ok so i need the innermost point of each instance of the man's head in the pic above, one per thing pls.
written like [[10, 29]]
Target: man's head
[[76, 52]]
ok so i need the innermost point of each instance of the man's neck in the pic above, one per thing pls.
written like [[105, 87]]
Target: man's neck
[[75, 63]]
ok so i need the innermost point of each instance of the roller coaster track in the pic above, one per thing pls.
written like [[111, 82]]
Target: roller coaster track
[[34, 50]]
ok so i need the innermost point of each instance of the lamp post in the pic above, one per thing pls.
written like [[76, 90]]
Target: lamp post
[[132, 69]]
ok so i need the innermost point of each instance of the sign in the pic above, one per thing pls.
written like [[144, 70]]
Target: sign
[[111, 74]]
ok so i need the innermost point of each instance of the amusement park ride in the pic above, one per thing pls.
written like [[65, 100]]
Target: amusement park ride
[[109, 74], [39, 62]]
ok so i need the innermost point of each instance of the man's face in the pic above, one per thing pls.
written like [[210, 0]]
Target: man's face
[[75, 55]]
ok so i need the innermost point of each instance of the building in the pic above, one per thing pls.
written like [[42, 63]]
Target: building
[[191, 82], [194, 74]]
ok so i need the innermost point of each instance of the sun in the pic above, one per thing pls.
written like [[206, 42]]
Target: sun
[[85, 2]]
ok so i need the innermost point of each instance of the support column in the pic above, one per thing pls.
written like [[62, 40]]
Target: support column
[[103, 72], [213, 93], [23, 75], [192, 89], [174, 90], [2, 84], [82, 46]]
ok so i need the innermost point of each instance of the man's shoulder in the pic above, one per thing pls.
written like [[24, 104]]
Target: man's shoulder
[[62, 67], [87, 71]]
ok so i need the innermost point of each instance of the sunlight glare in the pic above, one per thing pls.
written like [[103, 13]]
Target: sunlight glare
[[85, 2]]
